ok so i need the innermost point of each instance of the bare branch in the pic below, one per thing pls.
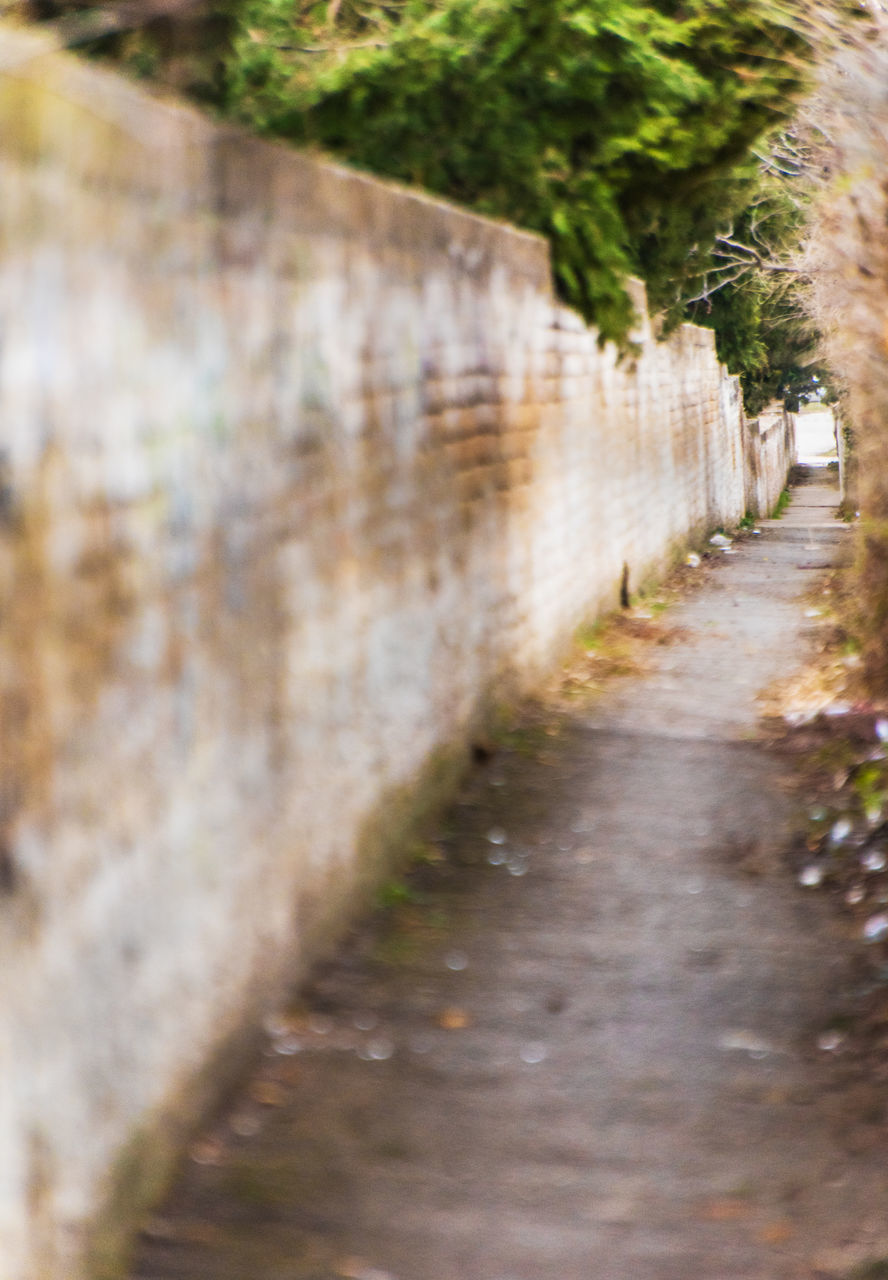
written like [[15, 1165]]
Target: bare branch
[[708, 291], [753, 257]]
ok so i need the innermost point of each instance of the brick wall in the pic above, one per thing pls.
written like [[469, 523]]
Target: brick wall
[[297, 470]]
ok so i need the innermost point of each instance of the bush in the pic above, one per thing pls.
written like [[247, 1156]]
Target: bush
[[620, 130], [847, 258]]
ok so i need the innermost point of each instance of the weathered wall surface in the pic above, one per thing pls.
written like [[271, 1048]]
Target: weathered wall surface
[[769, 450], [297, 468]]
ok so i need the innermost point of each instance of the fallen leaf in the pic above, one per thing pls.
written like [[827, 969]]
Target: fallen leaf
[[453, 1019], [269, 1093]]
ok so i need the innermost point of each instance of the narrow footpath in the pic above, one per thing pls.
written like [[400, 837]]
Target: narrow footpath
[[585, 1044]]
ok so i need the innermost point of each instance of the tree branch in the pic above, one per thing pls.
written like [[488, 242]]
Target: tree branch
[[708, 291], [752, 258]]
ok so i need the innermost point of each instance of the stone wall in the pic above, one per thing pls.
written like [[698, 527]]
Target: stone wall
[[298, 470], [770, 450]]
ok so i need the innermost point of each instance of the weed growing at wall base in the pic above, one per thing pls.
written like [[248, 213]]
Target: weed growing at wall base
[[781, 504]]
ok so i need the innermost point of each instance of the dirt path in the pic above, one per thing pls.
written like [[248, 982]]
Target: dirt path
[[591, 1051]]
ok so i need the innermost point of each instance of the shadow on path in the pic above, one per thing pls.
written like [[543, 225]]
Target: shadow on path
[[588, 1049]]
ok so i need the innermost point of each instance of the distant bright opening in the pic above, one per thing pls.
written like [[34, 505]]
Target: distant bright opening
[[816, 436]]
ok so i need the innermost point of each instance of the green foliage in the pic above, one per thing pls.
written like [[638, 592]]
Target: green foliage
[[781, 504], [766, 339], [619, 130]]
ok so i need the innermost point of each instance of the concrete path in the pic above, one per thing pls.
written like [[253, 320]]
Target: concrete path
[[589, 1052]]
